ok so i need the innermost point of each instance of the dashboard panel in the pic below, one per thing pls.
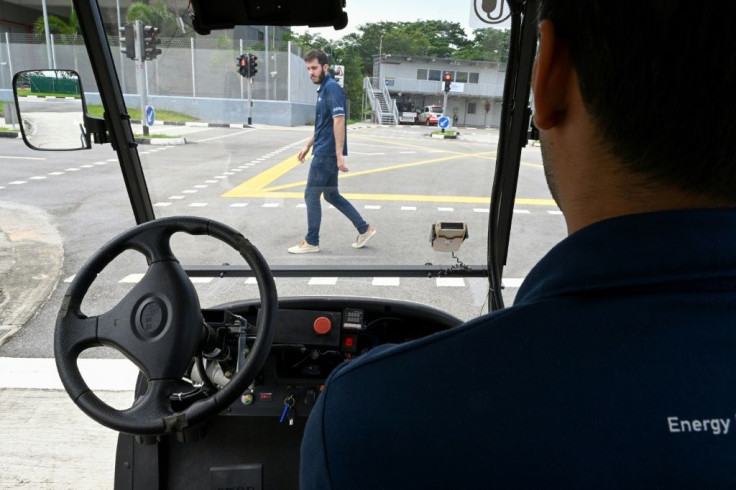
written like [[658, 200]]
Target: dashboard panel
[[313, 336]]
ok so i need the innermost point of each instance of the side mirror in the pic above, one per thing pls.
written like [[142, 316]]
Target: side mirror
[[51, 109]]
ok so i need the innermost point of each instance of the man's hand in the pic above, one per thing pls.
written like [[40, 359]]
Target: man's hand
[[302, 154], [341, 163]]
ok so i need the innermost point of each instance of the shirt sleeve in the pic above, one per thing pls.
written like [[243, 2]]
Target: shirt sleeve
[[335, 100]]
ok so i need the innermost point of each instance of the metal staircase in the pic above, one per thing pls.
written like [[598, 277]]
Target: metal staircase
[[383, 107]]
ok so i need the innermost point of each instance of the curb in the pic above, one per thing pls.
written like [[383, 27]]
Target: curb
[[9, 134], [161, 141], [196, 124]]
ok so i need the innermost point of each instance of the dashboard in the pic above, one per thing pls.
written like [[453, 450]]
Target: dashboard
[[313, 336]]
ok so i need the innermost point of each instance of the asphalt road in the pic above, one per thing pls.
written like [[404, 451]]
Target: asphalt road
[[400, 180], [57, 209]]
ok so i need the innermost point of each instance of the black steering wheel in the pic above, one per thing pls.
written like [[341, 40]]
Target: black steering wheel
[[159, 326]]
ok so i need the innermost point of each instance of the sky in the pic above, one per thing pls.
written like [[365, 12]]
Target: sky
[[366, 11]]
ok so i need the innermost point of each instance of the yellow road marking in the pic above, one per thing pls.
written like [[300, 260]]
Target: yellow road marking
[[372, 171], [257, 186]]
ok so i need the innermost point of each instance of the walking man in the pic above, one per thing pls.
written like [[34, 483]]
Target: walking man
[[329, 149]]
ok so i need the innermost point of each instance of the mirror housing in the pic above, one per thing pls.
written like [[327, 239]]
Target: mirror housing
[[226, 14], [51, 110]]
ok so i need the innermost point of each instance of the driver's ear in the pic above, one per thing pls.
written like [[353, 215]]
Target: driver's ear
[[552, 75]]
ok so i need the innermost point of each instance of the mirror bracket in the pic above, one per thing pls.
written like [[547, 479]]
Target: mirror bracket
[[97, 129]]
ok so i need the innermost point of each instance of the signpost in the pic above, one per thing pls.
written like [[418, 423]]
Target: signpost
[[150, 116], [443, 123]]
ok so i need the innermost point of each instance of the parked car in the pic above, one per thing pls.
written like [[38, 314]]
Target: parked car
[[430, 115]]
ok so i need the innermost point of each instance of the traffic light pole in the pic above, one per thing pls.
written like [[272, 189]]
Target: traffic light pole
[[140, 72], [250, 101]]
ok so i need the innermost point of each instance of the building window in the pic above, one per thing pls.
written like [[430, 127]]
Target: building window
[[422, 74], [462, 77], [471, 107], [435, 75], [473, 78]]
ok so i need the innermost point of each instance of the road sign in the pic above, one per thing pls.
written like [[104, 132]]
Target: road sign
[[443, 122], [150, 115]]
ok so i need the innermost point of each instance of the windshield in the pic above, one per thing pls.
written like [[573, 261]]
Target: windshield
[[221, 145]]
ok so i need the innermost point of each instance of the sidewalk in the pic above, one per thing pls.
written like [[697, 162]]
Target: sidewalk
[[31, 255]]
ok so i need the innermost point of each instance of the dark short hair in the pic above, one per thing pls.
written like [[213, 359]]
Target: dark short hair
[[318, 55], [659, 78]]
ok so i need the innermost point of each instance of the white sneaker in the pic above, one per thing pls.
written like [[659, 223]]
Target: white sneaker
[[364, 237], [303, 248]]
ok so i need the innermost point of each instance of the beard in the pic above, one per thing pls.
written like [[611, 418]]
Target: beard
[[549, 166], [320, 77]]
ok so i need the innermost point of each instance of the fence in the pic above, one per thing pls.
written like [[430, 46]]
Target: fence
[[187, 67]]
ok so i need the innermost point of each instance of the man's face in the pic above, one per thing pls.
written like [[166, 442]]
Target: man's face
[[316, 71]]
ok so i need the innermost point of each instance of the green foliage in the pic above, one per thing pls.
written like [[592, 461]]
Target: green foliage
[[158, 15]]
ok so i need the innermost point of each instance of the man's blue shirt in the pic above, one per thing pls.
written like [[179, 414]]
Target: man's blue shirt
[[615, 368], [330, 103]]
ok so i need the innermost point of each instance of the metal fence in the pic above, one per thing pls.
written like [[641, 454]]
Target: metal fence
[[187, 67]]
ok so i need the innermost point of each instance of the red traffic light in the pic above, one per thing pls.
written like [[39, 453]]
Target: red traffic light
[[242, 61], [448, 77]]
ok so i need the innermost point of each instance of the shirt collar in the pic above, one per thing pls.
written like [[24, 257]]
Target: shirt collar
[[652, 250], [324, 82]]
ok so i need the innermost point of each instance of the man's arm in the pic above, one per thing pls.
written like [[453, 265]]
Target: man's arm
[[303, 154], [338, 126]]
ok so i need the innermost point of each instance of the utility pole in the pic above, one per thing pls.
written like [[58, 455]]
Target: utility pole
[[140, 57]]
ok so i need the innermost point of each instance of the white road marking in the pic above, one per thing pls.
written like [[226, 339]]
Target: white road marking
[[408, 208], [450, 282], [198, 204], [386, 281], [446, 210], [41, 374], [162, 204], [512, 282], [322, 281], [132, 278]]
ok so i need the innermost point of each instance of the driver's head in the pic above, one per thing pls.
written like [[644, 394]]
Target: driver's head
[[317, 65], [655, 80]]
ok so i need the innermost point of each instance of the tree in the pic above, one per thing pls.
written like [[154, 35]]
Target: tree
[[68, 30], [157, 15], [487, 45]]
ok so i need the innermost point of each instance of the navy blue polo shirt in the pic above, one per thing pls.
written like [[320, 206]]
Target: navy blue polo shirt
[[615, 368], [330, 103]]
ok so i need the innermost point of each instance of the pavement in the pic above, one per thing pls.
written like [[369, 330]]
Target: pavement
[[31, 256]]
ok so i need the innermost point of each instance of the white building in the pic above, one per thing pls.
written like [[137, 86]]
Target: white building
[[475, 94]]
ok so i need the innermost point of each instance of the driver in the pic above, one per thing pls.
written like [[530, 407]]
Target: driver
[[615, 367]]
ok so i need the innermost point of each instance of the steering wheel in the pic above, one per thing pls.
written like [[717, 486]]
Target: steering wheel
[[159, 326]]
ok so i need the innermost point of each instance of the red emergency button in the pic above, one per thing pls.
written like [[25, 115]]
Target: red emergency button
[[322, 325]]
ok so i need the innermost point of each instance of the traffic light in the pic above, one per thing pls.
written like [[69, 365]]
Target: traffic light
[[150, 43], [448, 81], [127, 40], [242, 64], [252, 70]]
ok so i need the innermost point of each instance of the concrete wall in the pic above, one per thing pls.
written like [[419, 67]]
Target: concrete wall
[[274, 113]]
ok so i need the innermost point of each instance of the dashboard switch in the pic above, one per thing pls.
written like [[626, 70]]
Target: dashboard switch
[[322, 325], [349, 343]]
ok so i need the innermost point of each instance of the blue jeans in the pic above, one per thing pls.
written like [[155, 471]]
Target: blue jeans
[[323, 180]]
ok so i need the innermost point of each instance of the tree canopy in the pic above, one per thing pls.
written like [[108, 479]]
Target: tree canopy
[[424, 38]]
